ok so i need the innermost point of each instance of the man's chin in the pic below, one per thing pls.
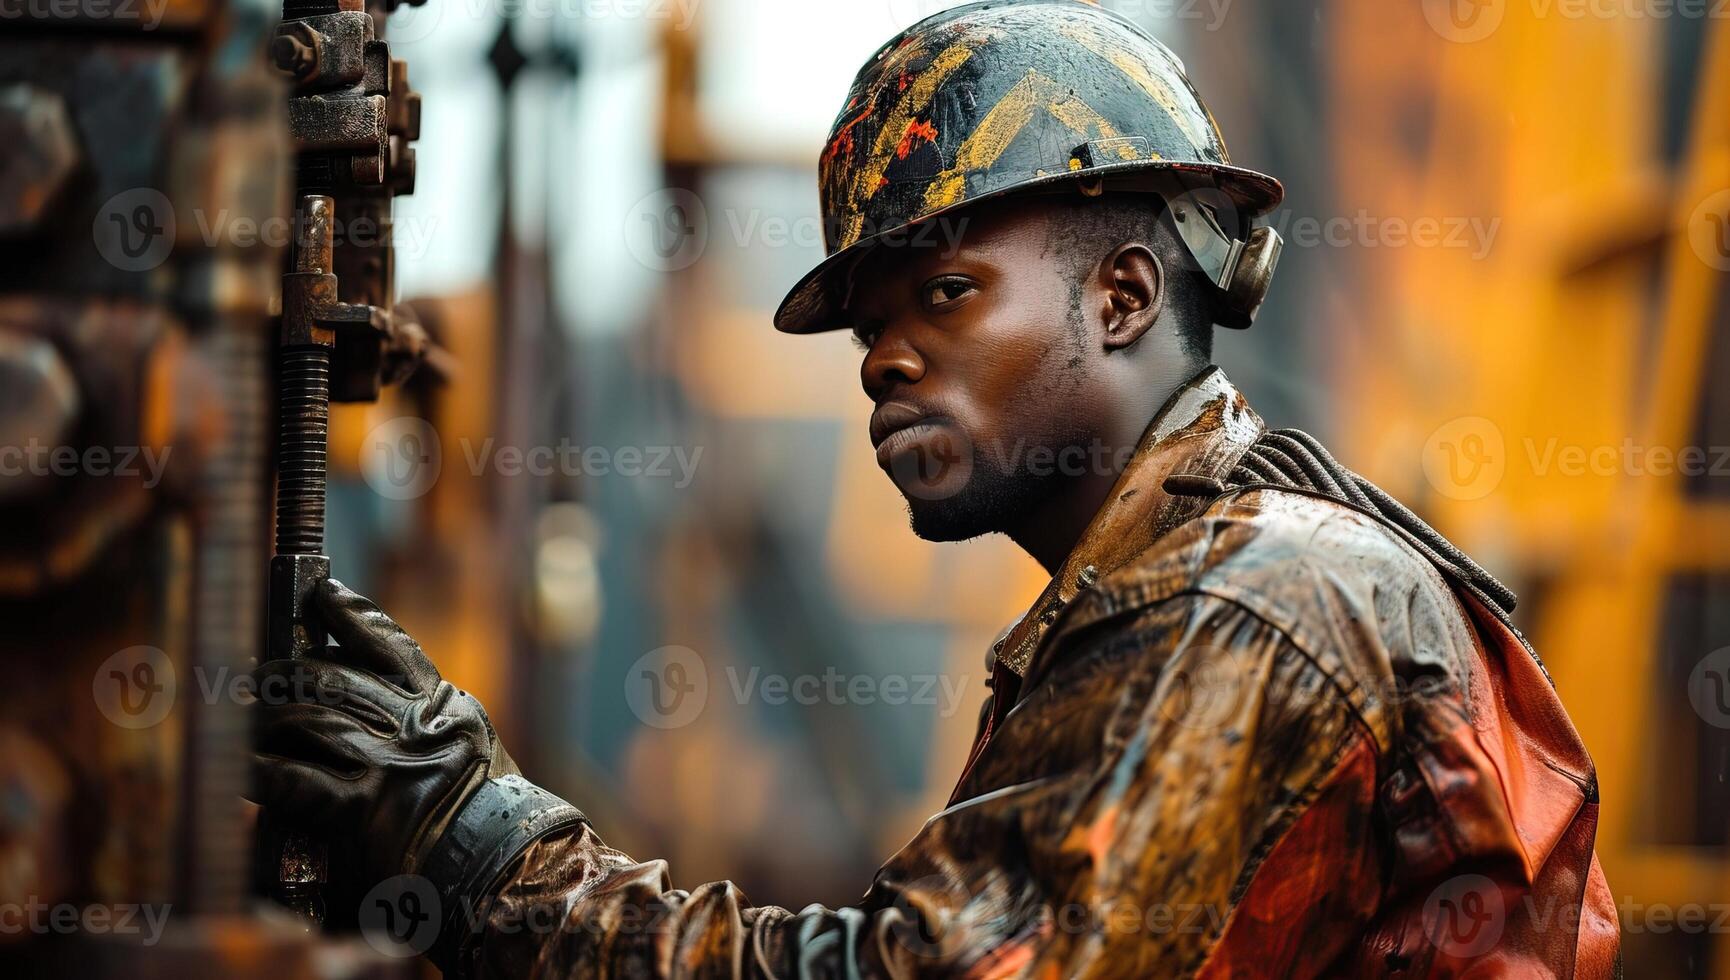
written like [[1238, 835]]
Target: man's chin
[[943, 521], [969, 500], [984, 506]]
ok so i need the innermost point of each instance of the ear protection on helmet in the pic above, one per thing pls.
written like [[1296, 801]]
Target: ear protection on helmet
[[1241, 269]]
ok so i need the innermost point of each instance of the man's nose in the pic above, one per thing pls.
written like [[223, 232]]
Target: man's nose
[[891, 362]]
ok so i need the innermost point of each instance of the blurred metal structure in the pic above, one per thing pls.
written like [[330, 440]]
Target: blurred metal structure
[[130, 323], [143, 224], [532, 362]]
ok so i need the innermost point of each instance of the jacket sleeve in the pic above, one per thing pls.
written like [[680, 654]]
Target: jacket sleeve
[[1103, 831]]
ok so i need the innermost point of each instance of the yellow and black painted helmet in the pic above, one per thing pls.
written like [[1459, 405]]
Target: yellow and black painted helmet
[[1013, 96]]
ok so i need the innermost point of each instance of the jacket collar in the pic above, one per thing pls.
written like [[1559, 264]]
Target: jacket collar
[[1201, 431]]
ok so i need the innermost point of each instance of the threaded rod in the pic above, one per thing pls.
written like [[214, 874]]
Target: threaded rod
[[303, 428]]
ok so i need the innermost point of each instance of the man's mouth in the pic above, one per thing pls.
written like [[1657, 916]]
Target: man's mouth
[[902, 440], [898, 426], [892, 416]]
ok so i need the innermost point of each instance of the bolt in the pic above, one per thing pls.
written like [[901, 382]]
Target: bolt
[[297, 50]]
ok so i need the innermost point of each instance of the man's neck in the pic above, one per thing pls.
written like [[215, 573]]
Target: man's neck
[[1050, 533], [1054, 527]]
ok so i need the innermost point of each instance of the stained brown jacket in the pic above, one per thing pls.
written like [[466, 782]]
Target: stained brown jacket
[[1253, 735]]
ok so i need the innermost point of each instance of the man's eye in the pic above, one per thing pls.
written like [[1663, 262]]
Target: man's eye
[[864, 337], [941, 292]]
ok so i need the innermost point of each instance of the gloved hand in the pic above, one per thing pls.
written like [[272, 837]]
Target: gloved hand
[[368, 746]]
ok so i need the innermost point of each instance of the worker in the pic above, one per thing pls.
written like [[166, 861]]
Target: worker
[[1263, 721]]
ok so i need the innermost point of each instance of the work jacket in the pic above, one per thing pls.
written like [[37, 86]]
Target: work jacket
[[1247, 733]]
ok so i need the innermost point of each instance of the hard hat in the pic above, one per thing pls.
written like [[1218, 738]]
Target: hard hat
[[1015, 96]]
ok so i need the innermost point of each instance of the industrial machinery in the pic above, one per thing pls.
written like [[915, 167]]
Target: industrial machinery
[[351, 116], [153, 151]]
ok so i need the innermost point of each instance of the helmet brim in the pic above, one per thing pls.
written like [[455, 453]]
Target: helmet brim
[[816, 302]]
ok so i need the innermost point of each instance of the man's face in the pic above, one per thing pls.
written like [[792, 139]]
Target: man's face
[[979, 359]]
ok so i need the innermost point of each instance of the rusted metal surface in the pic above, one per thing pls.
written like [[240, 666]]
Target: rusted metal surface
[[351, 115], [133, 354], [135, 328], [95, 377]]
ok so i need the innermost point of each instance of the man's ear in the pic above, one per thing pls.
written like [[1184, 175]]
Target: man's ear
[[1134, 283]]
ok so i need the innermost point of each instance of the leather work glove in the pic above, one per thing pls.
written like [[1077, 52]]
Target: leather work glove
[[397, 769]]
